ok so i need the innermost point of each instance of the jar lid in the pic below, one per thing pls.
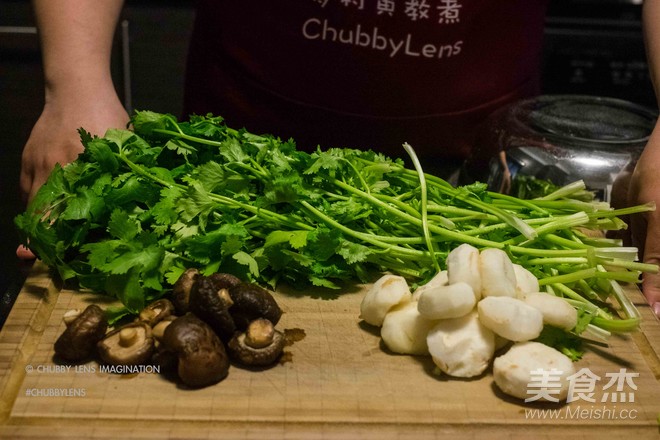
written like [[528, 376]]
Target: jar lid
[[580, 120]]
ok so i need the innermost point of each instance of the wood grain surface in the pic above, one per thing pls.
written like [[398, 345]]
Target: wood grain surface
[[339, 383]]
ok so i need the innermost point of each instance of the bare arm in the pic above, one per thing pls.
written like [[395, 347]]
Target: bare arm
[[645, 184], [76, 40]]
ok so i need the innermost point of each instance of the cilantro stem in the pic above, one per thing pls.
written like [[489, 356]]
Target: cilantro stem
[[592, 272], [564, 242], [500, 226], [399, 204], [357, 174], [262, 212], [568, 278], [579, 299], [617, 325], [650, 206], [581, 303], [512, 201], [565, 191], [519, 250], [181, 135], [569, 221], [451, 235], [630, 265], [448, 209], [362, 236], [512, 220], [557, 260], [596, 332], [628, 308], [253, 169], [424, 196]]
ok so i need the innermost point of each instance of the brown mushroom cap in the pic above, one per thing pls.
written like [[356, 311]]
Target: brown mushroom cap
[[202, 359], [132, 344], [252, 302], [182, 288], [211, 304], [224, 280], [155, 312], [260, 345], [77, 342]]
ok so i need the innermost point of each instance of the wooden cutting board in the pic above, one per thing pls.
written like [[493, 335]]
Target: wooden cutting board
[[339, 383]]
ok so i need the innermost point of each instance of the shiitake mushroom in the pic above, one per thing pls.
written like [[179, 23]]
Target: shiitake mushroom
[[78, 342], [131, 344], [250, 302], [259, 345], [214, 309], [229, 305], [201, 359], [182, 288], [211, 304]]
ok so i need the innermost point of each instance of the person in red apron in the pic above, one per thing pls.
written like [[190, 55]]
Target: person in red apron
[[368, 74]]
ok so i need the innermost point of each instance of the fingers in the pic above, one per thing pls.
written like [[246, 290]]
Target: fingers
[[28, 186], [646, 237], [651, 290], [24, 253]]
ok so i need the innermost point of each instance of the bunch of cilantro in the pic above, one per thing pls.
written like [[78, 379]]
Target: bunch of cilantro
[[138, 207]]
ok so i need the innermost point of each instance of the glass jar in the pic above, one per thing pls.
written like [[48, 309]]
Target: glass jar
[[561, 138]]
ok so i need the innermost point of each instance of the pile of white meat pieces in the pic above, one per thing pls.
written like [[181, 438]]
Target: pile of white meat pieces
[[481, 305]]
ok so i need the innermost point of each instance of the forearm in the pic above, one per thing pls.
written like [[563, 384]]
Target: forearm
[[76, 40]]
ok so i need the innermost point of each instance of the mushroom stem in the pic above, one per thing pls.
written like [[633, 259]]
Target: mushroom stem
[[127, 336], [70, 316], [259, 333], [225, 298]]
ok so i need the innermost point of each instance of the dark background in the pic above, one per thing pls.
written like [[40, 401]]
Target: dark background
[[591, 47]]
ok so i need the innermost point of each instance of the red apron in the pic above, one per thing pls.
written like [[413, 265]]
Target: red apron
[[364, 73]]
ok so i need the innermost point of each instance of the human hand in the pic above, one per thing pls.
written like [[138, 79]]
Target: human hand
[[55, 139], [645, 228]]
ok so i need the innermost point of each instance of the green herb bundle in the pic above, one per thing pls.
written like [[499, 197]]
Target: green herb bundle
[[139, 207]]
